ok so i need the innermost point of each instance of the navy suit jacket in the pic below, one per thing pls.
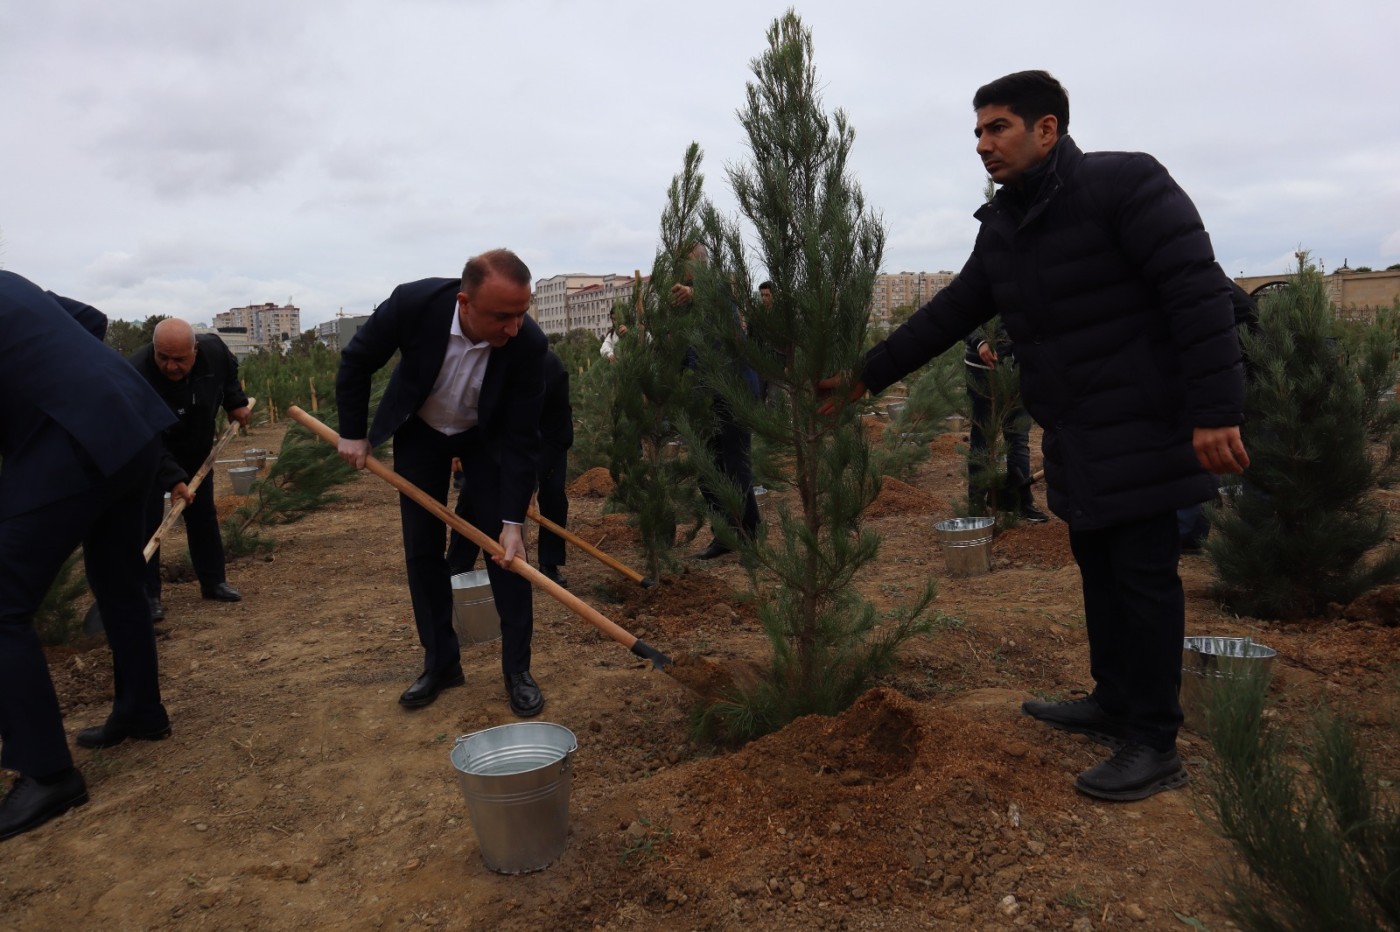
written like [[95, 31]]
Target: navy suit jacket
[[415, 321], [75, 411]]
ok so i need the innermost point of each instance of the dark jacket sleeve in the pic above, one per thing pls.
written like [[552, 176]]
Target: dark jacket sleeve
[[371, 347], [93, 320], [951, 314], [1161, 233], [516, 426]]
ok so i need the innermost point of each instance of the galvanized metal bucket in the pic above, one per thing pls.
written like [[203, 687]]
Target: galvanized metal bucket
[[516, 780], [241, 478], [1207, 661], [967, 545], [474, 608]]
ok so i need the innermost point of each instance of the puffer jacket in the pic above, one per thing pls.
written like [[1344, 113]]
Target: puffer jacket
[[1120, 320]]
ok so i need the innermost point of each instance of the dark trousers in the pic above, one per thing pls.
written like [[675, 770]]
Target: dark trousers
[[1015, 431], [1136, 615], [423, 456], [106, 518], [730, 448], [201, 532], [554, 505]]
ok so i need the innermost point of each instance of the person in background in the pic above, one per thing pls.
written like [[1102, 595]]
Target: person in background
[[195, 375], [980, 361]]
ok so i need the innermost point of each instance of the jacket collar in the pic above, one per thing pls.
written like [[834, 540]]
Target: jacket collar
[[1060, 165]]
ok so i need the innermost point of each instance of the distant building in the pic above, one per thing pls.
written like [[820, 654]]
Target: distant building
[[339, 330], [267, 325], [235, 338], [903, 289], [1354, 294], [580, 302]]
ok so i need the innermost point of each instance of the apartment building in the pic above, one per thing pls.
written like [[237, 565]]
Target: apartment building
[[903, 289], [339, 330], [267, 325], [579, 301]]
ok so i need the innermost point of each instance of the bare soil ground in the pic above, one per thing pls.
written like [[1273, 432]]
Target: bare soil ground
[[296, 792]]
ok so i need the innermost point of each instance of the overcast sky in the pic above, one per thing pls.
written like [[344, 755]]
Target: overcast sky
[[181, 158]]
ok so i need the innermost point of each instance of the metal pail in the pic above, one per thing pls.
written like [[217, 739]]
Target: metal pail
[[967, 545], [516, 781], [1206, 661], [241, 478], [474, 608]]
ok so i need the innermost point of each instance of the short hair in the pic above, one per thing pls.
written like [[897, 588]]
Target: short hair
[[1028, 94], [501, 262], [765, 286]]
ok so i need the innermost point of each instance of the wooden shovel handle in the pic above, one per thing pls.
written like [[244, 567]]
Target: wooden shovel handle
[[176, 507], [540, 581], [584, 545]]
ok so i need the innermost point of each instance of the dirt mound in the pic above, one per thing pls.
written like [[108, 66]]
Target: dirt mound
[[606, 532], [596, 483], [901, 498], [890, 805], [687, 604], [1040, 545]]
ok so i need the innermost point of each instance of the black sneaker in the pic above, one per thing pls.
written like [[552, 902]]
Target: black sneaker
[[1135, 771], [1081, 716]]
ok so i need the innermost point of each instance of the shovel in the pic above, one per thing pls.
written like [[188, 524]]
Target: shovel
[[646, 582], [92, 621], [540, 581]]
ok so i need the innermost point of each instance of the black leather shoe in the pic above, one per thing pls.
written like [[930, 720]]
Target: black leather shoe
[[223, 592], [426, 688], [1135, 771], [1033, 515], [30, 803], [716, 549], [114, 731], [526, 700], [552, 573], [1081, 716], [157, 609]]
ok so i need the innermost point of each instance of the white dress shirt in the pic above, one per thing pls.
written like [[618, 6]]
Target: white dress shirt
[[451, 407]]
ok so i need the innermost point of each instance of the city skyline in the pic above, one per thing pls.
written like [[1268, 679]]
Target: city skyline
[[177, 163]]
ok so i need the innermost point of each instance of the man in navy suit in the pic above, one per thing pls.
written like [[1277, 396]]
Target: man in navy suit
[[469, 384], [80, 437]]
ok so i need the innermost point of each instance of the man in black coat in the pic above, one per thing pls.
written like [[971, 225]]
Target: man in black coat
[[196, 376], [469, 385], [1104, 277], [80, 439], [556, 437]]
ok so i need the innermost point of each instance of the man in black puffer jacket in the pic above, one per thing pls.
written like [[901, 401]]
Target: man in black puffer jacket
[[1105, 279]]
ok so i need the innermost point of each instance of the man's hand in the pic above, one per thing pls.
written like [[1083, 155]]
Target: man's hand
[[1220, 449], [681, 294], [182, 490], [987, 354], [512, 543], [241, 416], [622, 330], [836, 383], [354, 452]]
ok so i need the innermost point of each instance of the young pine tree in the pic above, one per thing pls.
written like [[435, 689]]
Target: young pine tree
[[651, 388], [821, 248], [1305, 528]]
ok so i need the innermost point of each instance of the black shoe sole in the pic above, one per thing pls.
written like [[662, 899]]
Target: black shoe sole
[[1168, 782], [523, 713], [1105, 737], [73, 803], [459, 680], [111, 742]]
